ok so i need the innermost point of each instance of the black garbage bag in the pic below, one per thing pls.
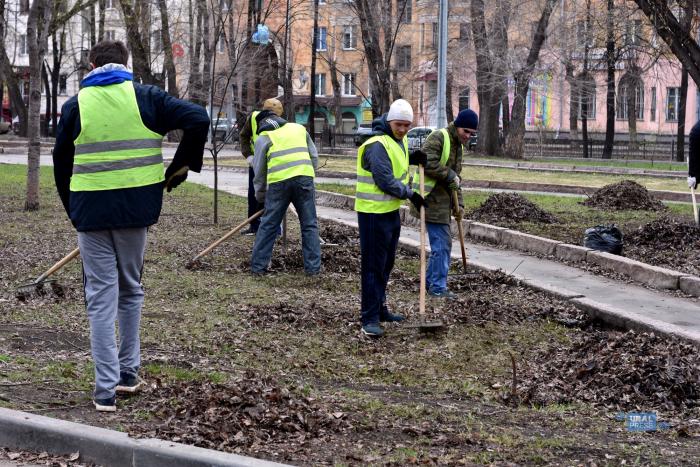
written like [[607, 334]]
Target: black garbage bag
[[606, 238]]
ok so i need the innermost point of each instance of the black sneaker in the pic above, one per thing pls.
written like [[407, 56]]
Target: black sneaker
[[106, 405], [128, 383], [249, 232], [446, 294], [390, 317]]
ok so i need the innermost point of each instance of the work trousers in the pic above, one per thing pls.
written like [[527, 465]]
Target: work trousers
[[439, 261], [112, 268], [379, 238], [300, 192], [253, 205]]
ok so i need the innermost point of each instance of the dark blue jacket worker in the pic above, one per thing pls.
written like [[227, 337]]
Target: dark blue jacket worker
[[694, 156], [108, 167], [382, 185]]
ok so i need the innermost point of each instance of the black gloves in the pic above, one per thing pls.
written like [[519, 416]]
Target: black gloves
[[174, 179], [418, 157], [418, 201]]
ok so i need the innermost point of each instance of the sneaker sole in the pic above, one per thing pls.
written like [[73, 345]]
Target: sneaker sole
[[105, 408], [129, 389]]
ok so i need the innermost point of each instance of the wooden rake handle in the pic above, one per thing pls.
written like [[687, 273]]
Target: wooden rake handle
[[58, 265], [228, 234], [421, 302], [695, 206]]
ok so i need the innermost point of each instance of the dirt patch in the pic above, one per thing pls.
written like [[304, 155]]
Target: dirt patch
[[626, 194], [510, 207], [615, 369], [28, 338]]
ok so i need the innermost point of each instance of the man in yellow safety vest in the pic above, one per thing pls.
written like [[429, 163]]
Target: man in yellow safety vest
[[285, 162], [108, 168]]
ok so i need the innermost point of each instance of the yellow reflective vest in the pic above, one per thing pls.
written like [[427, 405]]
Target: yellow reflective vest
[[369, 197], [288, 155], [254, 129], [114, 148], [430, 182]]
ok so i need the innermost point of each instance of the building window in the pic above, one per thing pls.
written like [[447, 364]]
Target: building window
[[405, 7], [221, 45], [652, 106], [349, 37], [673, 98], [403, 58], [464, 99], [23, 44], [63, 84], [432, 89], [322, 39], [436, 35], [465, 33], [157, 41], [321, 2], [110, 35], [586, 104], [224, 5], [621, 110], [24, 6], [321, 84], [633, 32], [349, 84], [109, 4]]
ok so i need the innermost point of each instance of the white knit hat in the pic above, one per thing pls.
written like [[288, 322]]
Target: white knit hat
[[400, 110]]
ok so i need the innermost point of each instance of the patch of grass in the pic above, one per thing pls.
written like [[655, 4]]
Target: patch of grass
[[174, 373], [581, 162]]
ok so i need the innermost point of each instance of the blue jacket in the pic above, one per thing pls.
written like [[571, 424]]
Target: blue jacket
[[127, 207], [377, 161], [694, 151]]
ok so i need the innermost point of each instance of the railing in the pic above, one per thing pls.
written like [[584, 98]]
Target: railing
[[644, 150]]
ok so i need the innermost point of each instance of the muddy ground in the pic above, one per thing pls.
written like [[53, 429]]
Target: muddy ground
[[275, 367]]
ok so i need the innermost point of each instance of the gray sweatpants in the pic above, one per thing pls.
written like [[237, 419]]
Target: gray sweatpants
[[112, 267]]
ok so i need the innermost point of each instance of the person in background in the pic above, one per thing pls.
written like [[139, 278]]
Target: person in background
[[248, 135], [443, 149], [285, 164], [108, 168], [382, 185], [694, 156]]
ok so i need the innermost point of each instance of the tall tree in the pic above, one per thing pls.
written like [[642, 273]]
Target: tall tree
[[134, 13], [686, 21], [522, 77], [610, 60], [9, 76], [168, 60]]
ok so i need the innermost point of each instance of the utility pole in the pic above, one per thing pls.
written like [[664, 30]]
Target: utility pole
[[312, 98], [442, 65]]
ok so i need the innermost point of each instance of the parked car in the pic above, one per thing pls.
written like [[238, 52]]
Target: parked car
[[362, 133], [417, 136], [225, 130], [473, 139]]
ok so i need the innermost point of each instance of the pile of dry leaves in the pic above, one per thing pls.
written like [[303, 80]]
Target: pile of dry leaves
[[247, 413], [616, 369], [626, 194], [510, 207]]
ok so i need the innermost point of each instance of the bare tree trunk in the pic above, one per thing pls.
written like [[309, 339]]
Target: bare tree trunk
[[337, 99], [58, 47], [574, 98], [368, 12], [168, 62], [631, 81], [610, 95], [8, 75], [515, 133], [37, 34], [311, 122], [101, 22], [449, 109], [680, 134], [138, 39], [47, 88]]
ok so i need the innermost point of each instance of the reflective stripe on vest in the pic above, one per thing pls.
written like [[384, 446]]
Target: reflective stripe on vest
[[288, 155], [429, 181], [368, 196], [254, 129], [103, 162]]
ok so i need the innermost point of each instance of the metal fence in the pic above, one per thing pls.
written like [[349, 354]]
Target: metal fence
[[644, 150]]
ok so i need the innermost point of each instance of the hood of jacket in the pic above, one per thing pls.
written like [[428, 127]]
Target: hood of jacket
[[268, 121], [111, 73]]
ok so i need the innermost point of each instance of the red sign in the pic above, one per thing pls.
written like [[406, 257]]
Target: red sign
[[178, 51]]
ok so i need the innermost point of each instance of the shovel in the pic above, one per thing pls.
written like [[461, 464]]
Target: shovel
[[423, 325], [695, 206], [225, 237], [35, 287]]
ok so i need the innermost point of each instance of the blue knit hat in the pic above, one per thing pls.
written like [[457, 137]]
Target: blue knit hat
[[468, 119]]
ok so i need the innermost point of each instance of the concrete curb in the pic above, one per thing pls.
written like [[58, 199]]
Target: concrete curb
[[21, 430], [653, 276]]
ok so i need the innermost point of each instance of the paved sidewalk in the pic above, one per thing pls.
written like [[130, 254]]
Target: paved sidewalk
[[622, 304]]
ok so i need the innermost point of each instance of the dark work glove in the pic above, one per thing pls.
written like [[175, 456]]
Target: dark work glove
[[418, 201], [418, 157], [174, 179]]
